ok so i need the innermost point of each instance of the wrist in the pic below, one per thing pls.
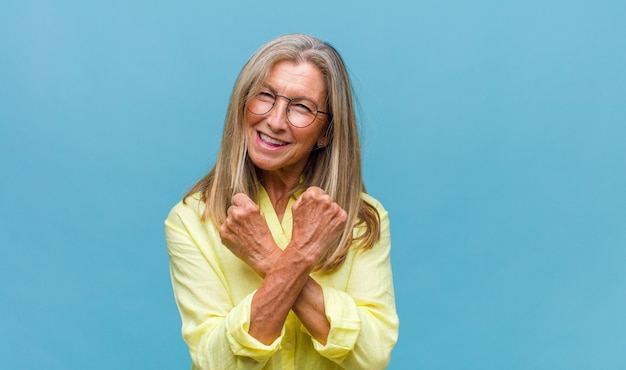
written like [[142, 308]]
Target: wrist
[[269, 261], [305, 255]]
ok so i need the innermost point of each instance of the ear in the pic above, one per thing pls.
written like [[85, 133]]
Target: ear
[[324, 139], [322, 142]]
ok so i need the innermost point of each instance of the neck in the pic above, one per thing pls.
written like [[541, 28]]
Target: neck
[[279, 188]]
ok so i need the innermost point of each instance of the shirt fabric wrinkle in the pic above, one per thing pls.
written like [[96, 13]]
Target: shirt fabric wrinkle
[[213, 291]]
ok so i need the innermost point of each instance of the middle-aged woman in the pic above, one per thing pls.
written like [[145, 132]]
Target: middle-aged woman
[[278, 257]]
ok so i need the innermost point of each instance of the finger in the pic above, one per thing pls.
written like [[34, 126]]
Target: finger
[[241, 199], [310, 196], [314, 191], [224, 231], [341, 216], [296, 204]]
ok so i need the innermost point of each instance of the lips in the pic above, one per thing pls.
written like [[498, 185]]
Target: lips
[[270, 141]]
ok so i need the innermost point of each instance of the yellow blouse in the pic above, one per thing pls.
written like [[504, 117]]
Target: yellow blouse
[[213, 291]]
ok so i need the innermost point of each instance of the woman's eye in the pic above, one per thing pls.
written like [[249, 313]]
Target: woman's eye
[[302, 107], [264, 95]]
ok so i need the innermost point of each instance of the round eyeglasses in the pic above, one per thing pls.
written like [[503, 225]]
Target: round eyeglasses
[[301, 112]]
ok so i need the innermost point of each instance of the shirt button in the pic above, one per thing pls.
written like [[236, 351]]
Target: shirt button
[[289, 345]]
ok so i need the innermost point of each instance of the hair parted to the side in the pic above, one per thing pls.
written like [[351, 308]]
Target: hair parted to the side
[[336, 168]]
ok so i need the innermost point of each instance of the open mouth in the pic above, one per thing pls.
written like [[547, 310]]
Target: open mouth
[[271, 141]]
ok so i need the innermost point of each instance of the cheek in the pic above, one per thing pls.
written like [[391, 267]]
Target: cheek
[[316, 132], [250, 119], [247, 122], [308, 139]]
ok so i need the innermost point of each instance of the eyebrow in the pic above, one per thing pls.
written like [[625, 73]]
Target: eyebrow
[[273, 90]]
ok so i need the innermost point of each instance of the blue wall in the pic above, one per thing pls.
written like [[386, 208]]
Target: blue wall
[[494, 132]]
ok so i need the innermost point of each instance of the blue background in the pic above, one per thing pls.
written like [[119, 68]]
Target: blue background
[[494, 132]]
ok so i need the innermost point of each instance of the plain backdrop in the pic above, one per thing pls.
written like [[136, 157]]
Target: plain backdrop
[[494, 132]]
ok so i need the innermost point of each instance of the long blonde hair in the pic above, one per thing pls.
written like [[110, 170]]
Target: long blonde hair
[[336, 168]]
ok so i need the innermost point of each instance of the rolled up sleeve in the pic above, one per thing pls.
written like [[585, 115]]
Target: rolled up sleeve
[[363, 319], [214, 328], [240, 341]]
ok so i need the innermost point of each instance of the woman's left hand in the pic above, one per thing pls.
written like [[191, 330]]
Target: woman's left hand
[[317, 223], [246, 234]]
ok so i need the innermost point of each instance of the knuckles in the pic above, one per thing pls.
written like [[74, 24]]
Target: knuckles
[[242, 201], [242, 212], [343, 215], [315, 203], [316, 195], [224, 232]]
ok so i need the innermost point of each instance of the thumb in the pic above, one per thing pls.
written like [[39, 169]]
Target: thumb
[[296, 204], [241, 199]]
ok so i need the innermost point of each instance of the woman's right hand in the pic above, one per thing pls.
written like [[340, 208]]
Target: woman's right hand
[[246, 234], [317, 223]]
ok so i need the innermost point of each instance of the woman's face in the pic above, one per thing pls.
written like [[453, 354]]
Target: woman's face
[[274, 145]]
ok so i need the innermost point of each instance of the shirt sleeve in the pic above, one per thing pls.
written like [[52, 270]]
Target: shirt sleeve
[[363, 319], [214, 328]]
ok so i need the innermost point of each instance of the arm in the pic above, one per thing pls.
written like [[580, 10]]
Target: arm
[[213, 321], [356, 327], [317, 222], [363, 319]]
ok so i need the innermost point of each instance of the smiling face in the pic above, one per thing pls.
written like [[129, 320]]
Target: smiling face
[[275, 146]]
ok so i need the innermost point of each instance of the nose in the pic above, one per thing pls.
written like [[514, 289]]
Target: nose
[[277, 118]]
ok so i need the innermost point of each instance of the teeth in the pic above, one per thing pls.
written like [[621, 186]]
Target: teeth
[[268, 139]]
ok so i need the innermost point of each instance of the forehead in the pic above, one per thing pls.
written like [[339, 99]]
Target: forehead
[[301, 79]]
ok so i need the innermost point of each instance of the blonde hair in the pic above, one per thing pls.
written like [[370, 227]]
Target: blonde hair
[[336, 168]]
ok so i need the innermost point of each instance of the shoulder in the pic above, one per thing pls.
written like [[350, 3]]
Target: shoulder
[[373, 202], [187, 210]]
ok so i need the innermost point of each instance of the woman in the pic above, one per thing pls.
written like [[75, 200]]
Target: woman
[[278, 257]]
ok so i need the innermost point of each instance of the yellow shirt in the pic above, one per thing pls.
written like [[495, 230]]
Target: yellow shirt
[[213, 290]]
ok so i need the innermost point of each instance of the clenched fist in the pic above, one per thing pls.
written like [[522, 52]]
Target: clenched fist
[[317, 223], [246, 234]]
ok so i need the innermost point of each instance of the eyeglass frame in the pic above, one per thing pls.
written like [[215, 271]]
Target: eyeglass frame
[[286, 108]]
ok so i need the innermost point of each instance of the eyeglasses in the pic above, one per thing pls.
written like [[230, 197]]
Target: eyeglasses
[[301, 112]]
